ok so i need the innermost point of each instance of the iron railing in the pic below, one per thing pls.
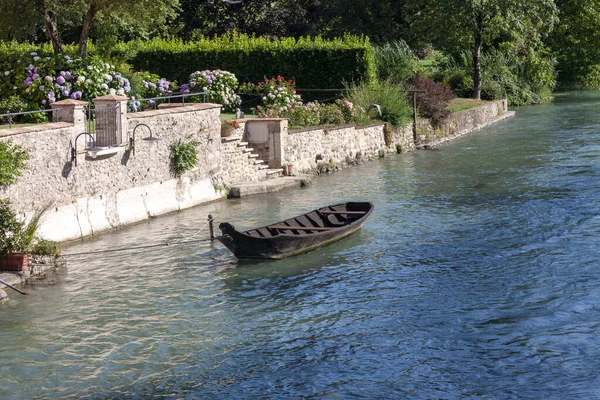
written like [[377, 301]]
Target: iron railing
[[10, 116]]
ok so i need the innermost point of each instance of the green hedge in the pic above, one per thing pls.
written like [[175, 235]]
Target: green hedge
[[311, 62]]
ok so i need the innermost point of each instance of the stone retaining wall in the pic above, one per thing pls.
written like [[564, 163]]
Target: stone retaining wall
[[90, 195]]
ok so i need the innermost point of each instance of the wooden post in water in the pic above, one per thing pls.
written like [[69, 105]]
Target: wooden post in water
[[415, 117], [211, 227]]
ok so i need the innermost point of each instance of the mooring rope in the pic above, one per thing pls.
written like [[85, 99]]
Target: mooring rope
[[149, 246]]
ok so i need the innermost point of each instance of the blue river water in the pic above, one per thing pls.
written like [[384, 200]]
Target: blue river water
[[477, 276]]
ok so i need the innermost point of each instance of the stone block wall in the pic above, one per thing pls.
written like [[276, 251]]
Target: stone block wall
[[305, 149], [90, 195], [462, 121]]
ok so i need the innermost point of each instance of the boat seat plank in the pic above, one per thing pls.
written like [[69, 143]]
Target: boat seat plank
[[301, 228], [345, 212]]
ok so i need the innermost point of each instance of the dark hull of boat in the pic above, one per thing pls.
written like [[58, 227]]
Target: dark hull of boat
[[297, 235]]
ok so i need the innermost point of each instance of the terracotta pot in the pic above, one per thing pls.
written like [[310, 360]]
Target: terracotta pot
[[15, 262], [228, 128]]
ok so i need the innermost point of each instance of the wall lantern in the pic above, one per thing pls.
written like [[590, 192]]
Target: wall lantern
[[147, 139], [74, 147]]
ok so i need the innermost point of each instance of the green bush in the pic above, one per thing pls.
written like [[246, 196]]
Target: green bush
[[45, 247], [331, 114], [391, 97], [13, 159], [12, 104], [312, 62], [396, 62], [17, 236], [183, 156], [527, 78]]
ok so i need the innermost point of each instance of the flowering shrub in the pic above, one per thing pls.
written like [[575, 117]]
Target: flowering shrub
[[219, 85], [277, 93], [45, 80], [303, 115], [146, 85]]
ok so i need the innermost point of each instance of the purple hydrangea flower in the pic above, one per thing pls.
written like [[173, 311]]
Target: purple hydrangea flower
[[68, 75], [30, 67], [76, 95], [60, 80]]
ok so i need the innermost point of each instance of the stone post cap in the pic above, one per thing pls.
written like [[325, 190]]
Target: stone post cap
[[111, 97], [69, 102]]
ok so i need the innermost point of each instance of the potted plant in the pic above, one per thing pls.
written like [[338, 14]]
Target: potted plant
[[228, 128], [16, 238]]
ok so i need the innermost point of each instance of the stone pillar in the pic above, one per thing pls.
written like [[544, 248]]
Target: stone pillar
[[70, 110], [111, 120], [278, 131]]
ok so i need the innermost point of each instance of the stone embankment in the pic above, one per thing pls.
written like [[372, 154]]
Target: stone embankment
[[129, 178]]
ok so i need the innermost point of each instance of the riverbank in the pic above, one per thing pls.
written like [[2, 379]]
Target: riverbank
[[230, 167]]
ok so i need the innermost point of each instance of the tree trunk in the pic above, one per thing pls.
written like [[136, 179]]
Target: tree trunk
[[478, 35], [51, 28], [88, 21]]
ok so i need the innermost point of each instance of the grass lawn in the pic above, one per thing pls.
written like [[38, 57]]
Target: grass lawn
[[15, 126], [227, 116], [459, 104]]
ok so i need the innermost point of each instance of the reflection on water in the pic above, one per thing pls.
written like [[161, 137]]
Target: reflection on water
[[475, 277]]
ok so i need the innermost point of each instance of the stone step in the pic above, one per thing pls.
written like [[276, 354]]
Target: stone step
[[262, 167], [273, 171], [231, 139], [241, 144], [252, 155], [247, 149], [256, 162]]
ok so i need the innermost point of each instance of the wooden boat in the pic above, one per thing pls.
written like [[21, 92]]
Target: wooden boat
[[297, 235]]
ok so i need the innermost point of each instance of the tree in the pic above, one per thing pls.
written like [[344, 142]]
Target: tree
[[23, 17], [575, 41], [482, 23]]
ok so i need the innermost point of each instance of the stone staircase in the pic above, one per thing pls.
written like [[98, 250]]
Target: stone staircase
[[242, 165]]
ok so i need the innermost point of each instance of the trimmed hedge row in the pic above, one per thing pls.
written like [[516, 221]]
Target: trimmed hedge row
[[311, 62]]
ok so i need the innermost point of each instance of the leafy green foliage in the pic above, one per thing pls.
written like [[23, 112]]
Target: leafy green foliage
[[183, 156], [45, 247], [13, 159], [9, 228], [17, 236], [575, 42], [392, 99], [312, 62], [396, 62], [522, 78]]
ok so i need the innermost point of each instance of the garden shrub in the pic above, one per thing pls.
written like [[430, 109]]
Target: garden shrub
[[183, 156], [11, 104], [40, 81], [433, 102], [45, 247], [304, 115], [331, 114], [13, 159], [391, 97], [146, 85], [396, 62], [219, 85], [313, 62], [276, 93]]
